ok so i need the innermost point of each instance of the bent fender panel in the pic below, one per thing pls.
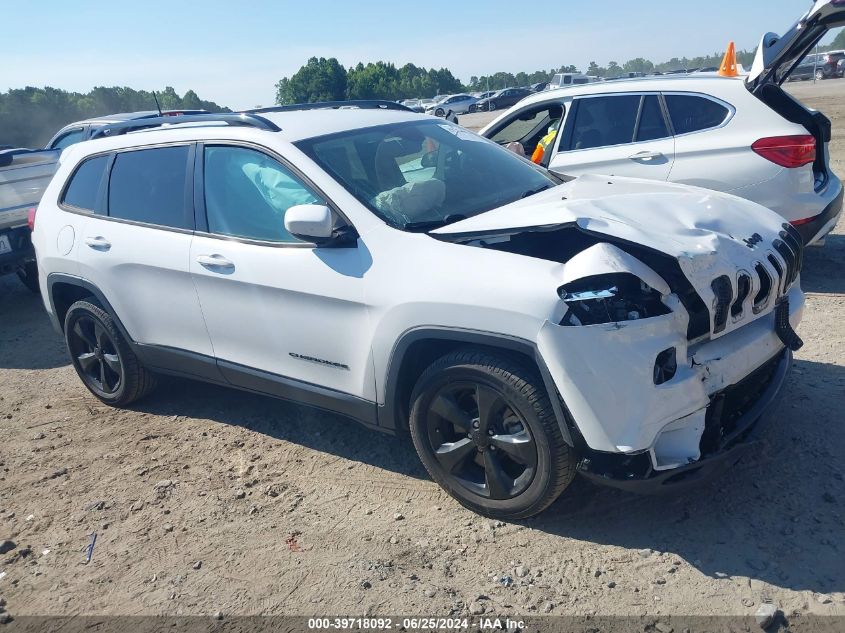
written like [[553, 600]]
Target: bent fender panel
[[606, 258], [605, 375]]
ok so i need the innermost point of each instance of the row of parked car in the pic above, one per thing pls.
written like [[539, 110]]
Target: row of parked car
[[490, 100], [463, 103], [820, 66], [522, 322]]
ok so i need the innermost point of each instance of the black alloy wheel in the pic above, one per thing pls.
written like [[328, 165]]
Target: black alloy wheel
[[96, 356], [105, 362], [481, 441], [485, 430]]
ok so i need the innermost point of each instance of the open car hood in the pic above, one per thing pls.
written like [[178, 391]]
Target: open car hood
[[777, 56], [688, 223]]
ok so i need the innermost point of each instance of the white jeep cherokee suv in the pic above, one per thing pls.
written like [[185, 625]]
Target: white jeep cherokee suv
[[404, 272]]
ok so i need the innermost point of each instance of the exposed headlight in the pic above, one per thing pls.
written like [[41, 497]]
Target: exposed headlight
[[610, 299]]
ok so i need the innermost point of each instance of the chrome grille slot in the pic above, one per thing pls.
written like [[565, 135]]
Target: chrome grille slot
[[793, 238], [779, 270], [791, 262], [723, 291], [743, 288], [762, 296]]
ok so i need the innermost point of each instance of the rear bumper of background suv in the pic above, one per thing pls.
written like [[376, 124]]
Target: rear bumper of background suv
[[817, 227], [734, 418]]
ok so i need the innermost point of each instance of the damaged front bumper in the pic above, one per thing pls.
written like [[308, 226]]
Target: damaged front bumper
[[732, 422], [638, 430]]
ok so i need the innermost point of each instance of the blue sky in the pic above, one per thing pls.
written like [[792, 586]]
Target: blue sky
[[235, 55]]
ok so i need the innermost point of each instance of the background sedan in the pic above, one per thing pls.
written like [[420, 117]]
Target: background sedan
[[502, 99], [458, 104]]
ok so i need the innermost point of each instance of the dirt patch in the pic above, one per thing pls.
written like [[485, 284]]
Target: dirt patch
[[205, 499]]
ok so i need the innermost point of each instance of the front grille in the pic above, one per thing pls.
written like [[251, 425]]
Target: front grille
[[728, 406], [786, 261]]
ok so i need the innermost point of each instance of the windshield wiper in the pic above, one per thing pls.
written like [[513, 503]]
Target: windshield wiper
[[430, 225], [532, 192]]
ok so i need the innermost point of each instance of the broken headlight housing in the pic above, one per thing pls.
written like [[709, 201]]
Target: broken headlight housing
[[610, 298]]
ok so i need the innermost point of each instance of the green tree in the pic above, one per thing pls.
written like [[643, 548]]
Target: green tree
[[319, 80], [838, 42], [30, 116], [638, 65]]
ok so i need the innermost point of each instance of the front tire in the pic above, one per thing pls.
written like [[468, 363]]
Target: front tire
[[102, 358], [819, 74], [485, 430]]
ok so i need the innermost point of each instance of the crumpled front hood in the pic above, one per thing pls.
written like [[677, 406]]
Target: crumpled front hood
[[717, 239], [701, 228]]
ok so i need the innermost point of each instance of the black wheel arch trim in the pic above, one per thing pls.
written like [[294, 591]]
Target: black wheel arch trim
[[390, 414], [72, 280]]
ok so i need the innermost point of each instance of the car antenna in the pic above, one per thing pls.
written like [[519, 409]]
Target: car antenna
[[158, 107]]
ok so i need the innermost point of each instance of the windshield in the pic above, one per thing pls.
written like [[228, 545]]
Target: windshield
[[420, 175]]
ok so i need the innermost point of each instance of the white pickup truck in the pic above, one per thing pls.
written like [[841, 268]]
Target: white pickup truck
[[24, 175]]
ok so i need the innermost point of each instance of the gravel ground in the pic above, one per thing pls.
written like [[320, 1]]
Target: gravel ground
[[206, 499]]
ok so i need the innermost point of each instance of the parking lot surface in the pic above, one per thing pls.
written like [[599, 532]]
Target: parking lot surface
[[206, 499]]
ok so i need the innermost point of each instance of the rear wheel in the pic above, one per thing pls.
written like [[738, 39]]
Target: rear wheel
[[102, 358], [485, 430]]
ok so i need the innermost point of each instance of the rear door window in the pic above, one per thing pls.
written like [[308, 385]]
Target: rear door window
[[605, 121], [652, 123], [84, 186], [691, 113], [150, 186]]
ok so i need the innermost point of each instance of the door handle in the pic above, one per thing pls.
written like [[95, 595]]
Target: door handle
[[215, 262], [98, 243], [646, 156]]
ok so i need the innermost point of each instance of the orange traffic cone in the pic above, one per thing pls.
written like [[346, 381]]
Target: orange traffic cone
[[728, 67]]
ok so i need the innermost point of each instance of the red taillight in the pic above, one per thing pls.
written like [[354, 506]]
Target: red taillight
[[802, 221], [787, 151], [30, 218]]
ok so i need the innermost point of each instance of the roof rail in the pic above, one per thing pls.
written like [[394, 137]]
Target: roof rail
[[363, 104], [236, 119]]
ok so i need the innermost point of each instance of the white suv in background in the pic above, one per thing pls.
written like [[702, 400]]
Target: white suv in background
[[409, 274], [745, 135]]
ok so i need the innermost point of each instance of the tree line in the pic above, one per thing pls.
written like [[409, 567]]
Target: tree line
[[30, 116], [322, 79]]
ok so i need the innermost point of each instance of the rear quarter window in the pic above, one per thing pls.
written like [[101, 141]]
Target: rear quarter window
[[691, 113], [149, 186], [84, 185]]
